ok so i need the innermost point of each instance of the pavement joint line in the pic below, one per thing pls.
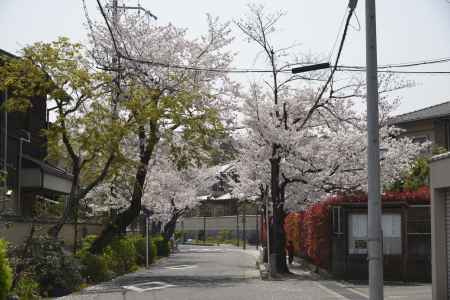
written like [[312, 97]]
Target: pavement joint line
[[136, 288], [330, 291], [353, 290], [180, 267]]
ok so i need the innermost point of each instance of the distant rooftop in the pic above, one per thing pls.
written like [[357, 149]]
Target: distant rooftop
[[6, 53], [430, 112]]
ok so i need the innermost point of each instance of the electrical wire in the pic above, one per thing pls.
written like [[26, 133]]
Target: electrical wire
[[337, 35], [344, 69], [250, 70], [333, 70], [407, 64]]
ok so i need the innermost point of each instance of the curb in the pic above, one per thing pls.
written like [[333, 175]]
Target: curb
[[313, 268]]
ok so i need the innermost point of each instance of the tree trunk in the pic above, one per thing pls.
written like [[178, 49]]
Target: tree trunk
[[125, 218], [71, 206], [75, 227], [278, 236], [169, 227]]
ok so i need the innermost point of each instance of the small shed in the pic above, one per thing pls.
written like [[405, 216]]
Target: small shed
[[406, 240], [440, 225]]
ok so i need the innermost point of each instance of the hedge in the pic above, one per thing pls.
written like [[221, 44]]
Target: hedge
[[310, 229], [5, 271]]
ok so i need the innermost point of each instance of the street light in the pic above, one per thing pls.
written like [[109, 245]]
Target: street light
[[19, 169], [310, 68]]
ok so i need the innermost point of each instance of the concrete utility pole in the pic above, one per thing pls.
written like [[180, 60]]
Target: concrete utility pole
[[375, 235], [237, 225], [146, 243], [268, 236], [244, 233]]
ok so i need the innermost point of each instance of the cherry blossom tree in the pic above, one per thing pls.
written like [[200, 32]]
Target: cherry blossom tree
[[304, 135], [181, 108]]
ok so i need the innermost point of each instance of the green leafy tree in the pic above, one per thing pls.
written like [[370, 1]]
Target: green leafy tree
[[86, 134]]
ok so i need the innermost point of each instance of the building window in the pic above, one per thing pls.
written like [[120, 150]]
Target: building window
[[336, 219], [391, 226]]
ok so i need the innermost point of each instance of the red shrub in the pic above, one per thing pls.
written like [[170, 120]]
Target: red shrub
[[310, 229]]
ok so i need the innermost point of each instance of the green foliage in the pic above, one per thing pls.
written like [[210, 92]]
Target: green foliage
[[56, 272], [5, 271], [95, 268], [224, 235], [140, 244], [179, 234], [162, 246], [123, 255], [416, 177], [82, 95], [27, 288]]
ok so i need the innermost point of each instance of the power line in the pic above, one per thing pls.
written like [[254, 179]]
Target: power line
[[407, 64], [337, 35], [362, 69], [250, 70], [352, 6]]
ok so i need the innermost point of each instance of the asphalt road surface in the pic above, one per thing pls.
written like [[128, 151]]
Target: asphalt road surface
[[216, 273]]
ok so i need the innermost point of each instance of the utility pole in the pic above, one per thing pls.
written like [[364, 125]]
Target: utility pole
[[19, 171], [269, 269], [375, 234], [244, 233], [237, 225], [147, 248], [257, 227]]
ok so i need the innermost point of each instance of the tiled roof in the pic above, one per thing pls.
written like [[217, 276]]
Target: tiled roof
[[431, 112]]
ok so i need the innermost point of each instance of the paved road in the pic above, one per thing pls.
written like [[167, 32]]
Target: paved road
[[216, 273]]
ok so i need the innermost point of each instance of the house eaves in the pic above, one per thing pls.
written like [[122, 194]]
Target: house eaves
[[432, 112]]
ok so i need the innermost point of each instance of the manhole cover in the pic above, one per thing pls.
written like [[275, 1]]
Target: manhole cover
[[181, 267], [148, 286]]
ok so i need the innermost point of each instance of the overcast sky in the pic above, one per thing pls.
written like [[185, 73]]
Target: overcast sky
[[408, 30]]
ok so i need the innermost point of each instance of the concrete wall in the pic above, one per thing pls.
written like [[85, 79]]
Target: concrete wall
[[16, 232], [440, 186], [423, 128], [194, 226]]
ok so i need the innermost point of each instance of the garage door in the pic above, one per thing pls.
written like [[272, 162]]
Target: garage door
[[447, 202]]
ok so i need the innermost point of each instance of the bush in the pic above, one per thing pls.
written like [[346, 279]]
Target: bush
[[179, 234], [224, 235], [122, 255], [5, 271], [162, 246], [57, 273], [140, 243], [95, 268], [27, 288]]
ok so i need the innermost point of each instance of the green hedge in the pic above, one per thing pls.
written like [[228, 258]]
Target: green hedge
[[27, 288], [140, 243], [5, 271], [95, 268], [124, 255], [162, 246], [56, 272]]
